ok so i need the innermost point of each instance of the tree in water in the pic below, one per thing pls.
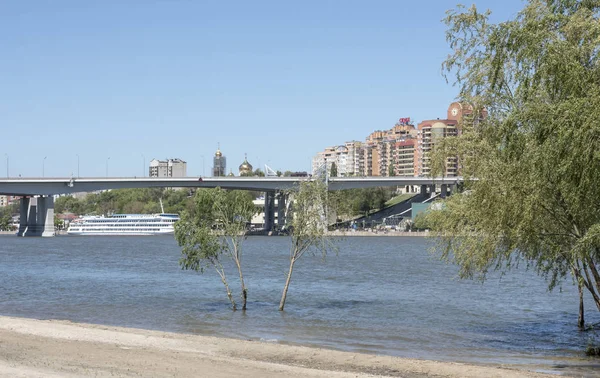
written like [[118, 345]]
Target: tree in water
[[530, 90], [333, 171], [308, 226], [216, 227]]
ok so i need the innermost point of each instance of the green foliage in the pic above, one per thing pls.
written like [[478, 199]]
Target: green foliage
[[5, 222], [6, 217], [126, 201], [333, 171], [536, 198], [216, 227], [354, 202], [422, 222], [391, 170], [59, 224], [400, 198]]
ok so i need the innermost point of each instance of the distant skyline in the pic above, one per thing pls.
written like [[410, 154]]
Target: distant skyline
[[115, 84]]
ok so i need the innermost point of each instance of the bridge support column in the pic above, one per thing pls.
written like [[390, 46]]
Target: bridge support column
[[46, 216], [423, 189], [37, 217], [23, 220], [281, 202], [443, 190], [269, 211], [32, 218]]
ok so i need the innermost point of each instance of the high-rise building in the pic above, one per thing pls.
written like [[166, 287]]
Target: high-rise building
[[402, 150], [430, 131], [168, 168], [405, 161], [219, 164]]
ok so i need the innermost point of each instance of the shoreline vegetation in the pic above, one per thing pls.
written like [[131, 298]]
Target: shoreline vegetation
[[58, 348]]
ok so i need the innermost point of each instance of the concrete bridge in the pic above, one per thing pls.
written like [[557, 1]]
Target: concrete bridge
[[37, 202]]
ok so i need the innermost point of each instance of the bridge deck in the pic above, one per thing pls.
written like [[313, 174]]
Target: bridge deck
[[65, 185]]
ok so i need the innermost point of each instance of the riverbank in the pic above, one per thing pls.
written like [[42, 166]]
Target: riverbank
[[50, 348]]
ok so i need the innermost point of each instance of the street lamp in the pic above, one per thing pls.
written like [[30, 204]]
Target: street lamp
[[203, 173], [6, 165], [143, 166], [44, 166], [107, 166], [77, 165]]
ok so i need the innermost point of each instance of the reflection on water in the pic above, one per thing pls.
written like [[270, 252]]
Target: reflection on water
[[379, 295]]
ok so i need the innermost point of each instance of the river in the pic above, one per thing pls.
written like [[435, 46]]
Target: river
[[384, 295]]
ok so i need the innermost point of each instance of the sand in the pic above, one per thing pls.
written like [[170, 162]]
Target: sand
[[50, 348]]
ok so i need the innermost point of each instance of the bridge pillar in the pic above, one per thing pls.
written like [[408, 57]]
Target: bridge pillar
[[423, 189], [443, 190], [23, 220], [32, 218], [37, 217], [281, 202], [269, 211], [46, 216]]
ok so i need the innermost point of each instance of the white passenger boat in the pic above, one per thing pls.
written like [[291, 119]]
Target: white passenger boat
[[124, 224]]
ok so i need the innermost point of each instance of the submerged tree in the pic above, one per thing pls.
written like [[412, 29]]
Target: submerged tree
[[216, 227], [308, 226], [534, 150]]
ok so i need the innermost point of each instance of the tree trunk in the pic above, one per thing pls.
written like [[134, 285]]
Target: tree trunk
[[581, 318], [287, 285], [244, 290], [229, 295], [589, 284]]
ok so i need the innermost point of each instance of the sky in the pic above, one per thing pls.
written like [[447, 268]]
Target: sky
[[104, 87]]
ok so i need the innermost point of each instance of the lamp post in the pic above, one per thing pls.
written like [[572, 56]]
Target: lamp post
[[107, 166], [44, 166], [203, 173], [143, 166], [77, 165], [6, 165]]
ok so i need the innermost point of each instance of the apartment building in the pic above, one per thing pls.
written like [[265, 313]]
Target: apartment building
[[168, 168], [402, 150]]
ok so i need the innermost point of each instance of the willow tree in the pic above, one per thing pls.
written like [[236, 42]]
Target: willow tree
[[308, 226], [530, 141], [215, 228]]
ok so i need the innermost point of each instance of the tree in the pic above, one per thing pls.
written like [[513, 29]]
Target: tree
[[391, 170], [333, 172], [308, 226], [258, 172], [217, 227], [530, 88]]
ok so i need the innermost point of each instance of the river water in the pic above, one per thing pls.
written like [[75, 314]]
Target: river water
[[385, 295]]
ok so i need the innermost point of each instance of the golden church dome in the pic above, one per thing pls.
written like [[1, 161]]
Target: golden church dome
[[245, 167]]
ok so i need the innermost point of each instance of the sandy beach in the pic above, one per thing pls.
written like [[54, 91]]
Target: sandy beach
[[49, 348]]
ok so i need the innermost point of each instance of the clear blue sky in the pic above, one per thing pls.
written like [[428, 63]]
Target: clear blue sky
[[278, 80]]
